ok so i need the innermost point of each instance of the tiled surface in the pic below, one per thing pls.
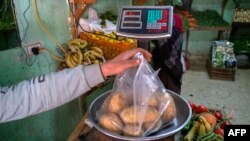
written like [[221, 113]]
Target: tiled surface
[[232, 96]]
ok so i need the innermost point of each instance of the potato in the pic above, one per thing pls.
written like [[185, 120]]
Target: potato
[[133, 130], [149, 125], [152, 101], [152, 126], [168, 108], [139, 114], [117, 102], [111, 122]]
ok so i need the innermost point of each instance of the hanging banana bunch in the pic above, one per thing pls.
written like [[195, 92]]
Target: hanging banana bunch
[[93, 56], [81, 44], [73, 57], [79, 53]]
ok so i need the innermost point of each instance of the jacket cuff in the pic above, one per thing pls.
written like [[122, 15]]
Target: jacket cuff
[[93, 75]]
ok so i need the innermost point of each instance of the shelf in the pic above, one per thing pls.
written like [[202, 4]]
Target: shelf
[[219, 28], [209, 20], [240, 30], [240, 24]]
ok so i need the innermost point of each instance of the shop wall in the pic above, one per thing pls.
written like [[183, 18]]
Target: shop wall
[[244, 4], [102, 6], [200, 41], [56, 124]]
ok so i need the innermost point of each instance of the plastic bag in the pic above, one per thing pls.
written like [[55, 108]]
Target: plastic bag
[[138, 104], [93, 23], [92, 15]]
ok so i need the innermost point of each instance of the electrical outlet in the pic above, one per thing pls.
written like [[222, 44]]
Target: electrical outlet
[[30, 46]]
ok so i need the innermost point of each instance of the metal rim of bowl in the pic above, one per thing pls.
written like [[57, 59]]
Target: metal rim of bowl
[[120, 137]]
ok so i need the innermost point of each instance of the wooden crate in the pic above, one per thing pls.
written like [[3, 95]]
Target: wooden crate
[[220, 73], [111, 47]]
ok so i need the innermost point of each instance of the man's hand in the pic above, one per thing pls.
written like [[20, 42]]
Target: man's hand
[[123, 62]]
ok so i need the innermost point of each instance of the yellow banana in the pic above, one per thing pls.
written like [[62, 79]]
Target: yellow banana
[[80, 57], [92, 57], [86, 58], [87, 53], [97, 49], [113, 35], [96, 62], [96, 54], [75, 58], [83, 43], [74, 42], [68, 61], [73, 62], [206, 124], [202, 130], [129, 40], [85, 63], [120, 38]]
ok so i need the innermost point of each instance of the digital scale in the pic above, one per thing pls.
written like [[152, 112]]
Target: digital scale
[[145, 22]]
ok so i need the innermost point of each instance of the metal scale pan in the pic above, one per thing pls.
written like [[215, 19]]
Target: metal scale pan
[[183, 116]]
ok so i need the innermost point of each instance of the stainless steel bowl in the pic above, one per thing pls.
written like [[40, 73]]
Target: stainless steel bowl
[[183, 116]]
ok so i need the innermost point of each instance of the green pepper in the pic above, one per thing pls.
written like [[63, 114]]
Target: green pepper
[[188, 126]]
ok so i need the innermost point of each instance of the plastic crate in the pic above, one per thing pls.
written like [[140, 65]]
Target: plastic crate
[[110, 47], [220, 73]]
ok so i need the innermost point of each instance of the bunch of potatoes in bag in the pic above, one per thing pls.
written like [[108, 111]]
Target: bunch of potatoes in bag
[[136, 116]]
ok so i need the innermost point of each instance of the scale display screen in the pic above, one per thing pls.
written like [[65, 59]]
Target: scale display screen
[[145, 21]]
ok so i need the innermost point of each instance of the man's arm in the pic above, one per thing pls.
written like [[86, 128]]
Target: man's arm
[[46, 92]]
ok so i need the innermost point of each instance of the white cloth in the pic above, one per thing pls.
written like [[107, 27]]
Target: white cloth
[[46, 92]]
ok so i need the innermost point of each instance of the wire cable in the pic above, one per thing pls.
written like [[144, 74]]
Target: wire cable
[[51, 54], [25, 32], [32, 62], [19, 40], [45, 28]]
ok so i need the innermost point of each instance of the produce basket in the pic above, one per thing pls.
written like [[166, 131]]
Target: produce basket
[[111, 46], [220, 73]]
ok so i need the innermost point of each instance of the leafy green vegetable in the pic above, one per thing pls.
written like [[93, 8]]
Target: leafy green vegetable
[[209, 18], [241, 46], [109, 16]]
